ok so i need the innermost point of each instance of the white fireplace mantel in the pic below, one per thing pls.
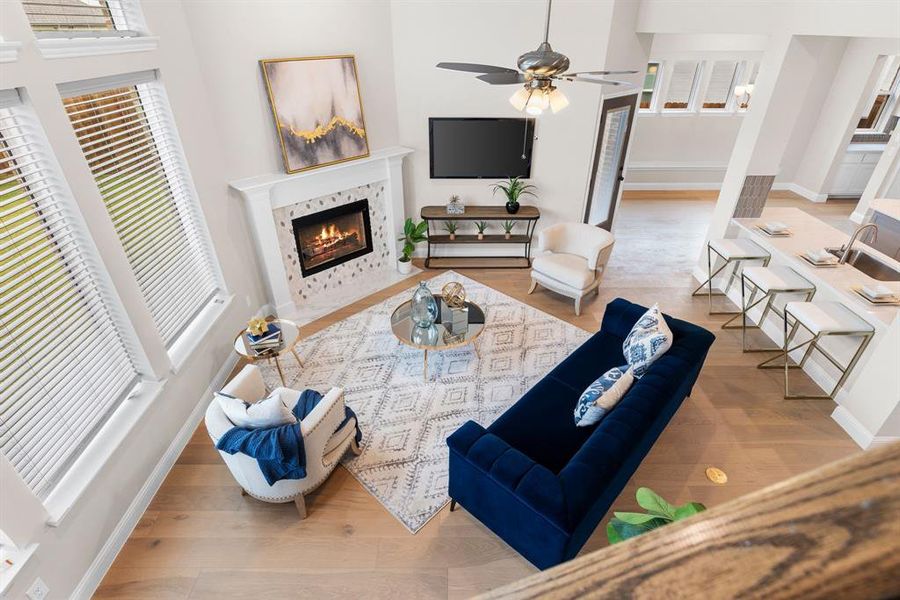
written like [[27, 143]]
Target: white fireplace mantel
[[265, 193]]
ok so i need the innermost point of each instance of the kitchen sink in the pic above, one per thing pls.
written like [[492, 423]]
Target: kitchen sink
[[868, 264]]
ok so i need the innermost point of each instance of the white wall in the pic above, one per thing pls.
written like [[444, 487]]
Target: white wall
[[688, 149], [497, 33], [231, 37]]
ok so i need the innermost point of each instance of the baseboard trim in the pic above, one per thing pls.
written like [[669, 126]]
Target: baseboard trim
[[864, 438], [632, 186], [101, 564], [800, 191]]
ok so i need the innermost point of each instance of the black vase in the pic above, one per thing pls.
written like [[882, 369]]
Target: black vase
[[512, 207]]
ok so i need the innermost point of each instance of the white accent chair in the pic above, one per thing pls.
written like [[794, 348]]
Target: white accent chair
[[323, 443], [574, 259]]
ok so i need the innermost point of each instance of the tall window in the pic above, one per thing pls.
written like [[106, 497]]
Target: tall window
[[53, 18], [64, 366], [651, 80], [721, 84], [682, 81], [886, 89], [129, 140]]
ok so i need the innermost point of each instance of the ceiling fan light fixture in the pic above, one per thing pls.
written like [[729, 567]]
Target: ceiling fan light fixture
[[558, 100], [538, 102], [520, 98]]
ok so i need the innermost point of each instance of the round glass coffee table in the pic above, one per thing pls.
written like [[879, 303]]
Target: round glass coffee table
[[290, 333], [441, 335]]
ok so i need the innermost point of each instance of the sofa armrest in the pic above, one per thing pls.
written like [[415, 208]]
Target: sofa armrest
[[533, 484]]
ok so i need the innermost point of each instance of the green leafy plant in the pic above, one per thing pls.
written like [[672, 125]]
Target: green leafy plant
[[481, 226], [508, 226], [412, 234], [451, 227], [513, 188], [625, 525]]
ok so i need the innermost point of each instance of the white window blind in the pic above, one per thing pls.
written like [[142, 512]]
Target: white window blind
[[721, 82], [681, 84], [74, 17], [130, 142], [64, 364]]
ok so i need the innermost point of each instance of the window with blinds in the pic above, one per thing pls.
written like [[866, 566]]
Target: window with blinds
[[64, 364], [80, 17], [682, 79], [721, 83], [129, 140]]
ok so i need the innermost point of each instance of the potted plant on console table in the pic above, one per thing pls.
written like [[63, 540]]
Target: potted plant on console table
[[514, 188], [412, 234]]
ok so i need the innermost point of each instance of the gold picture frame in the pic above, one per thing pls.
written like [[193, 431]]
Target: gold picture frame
[[307, 96]]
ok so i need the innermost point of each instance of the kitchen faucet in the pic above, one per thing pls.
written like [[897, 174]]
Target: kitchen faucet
[[845, 250]]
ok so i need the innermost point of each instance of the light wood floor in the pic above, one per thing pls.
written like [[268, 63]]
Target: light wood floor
[[201, 539]]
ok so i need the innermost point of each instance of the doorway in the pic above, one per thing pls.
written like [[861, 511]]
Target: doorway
[[613, 133]]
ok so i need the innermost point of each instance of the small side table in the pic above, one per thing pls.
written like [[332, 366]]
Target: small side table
[[290, 334]]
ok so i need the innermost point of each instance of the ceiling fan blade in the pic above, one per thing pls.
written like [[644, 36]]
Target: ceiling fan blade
[[599, 81], [474, 68], [601, 73], [503, 78]]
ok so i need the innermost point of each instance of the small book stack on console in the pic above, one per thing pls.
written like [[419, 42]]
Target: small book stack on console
[[270, 340]]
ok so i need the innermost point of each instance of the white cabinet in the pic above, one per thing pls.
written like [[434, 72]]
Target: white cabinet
[[853, 173]]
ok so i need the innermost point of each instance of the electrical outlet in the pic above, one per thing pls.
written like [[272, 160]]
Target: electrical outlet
[[38, 590]]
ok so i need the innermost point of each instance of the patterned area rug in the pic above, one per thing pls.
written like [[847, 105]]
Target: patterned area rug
[[405, 421]]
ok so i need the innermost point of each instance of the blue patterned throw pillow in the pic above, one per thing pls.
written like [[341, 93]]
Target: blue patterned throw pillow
[[601, 396], [649, 339]]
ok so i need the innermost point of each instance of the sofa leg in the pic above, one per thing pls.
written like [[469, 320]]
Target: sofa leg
[[300, 503], [577, 307], [533, 286], [452, 504]]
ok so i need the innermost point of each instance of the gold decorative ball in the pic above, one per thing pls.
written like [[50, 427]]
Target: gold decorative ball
[[454, 294]]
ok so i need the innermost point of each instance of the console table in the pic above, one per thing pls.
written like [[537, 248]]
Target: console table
[[434, 215]]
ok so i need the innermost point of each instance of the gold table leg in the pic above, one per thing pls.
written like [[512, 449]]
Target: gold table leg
[[477, 353], [299, 362], [280, 374]]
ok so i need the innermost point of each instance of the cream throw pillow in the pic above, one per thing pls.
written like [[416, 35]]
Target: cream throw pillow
[[268, 412]]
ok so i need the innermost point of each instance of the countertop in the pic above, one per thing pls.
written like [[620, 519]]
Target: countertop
[[809, 233]]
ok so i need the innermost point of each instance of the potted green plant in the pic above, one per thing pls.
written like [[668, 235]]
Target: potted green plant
[[481, 226], [412, 234], [451, 227], [513, 188], [625, 525], [507, 228]]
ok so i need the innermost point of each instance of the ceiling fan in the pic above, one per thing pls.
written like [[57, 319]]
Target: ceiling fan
[[538, 70]]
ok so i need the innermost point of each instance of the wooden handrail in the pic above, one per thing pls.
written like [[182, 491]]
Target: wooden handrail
[[830, 533]]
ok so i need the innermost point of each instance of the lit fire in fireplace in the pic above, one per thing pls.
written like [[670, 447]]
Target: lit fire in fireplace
[[331, 233], [330, 239]]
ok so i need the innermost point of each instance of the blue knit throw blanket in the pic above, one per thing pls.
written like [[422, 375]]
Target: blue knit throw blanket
[[279, 451]]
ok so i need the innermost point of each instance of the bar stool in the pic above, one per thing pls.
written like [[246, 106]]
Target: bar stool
[[770, 281], [821, 319], [736, 251]]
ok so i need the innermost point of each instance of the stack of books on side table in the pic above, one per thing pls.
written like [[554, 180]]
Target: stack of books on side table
[[269, 341]]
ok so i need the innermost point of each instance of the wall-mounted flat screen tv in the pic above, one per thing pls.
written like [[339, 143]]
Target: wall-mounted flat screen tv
[[479, 148]]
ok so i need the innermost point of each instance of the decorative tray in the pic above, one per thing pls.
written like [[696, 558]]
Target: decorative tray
[[782, 233], [809, 261], [891, 301]]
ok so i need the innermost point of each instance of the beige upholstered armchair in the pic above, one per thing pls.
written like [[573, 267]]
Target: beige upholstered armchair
[[324, 445], [574, 259]]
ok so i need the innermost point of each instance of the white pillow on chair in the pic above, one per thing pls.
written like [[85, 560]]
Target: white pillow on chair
[[268, 412]]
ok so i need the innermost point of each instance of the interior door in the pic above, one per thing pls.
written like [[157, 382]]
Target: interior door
[[613, 133]]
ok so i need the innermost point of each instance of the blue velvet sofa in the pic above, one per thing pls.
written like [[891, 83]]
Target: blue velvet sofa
[[541, 483]]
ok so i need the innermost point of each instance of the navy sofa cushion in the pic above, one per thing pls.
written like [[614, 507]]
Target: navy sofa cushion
[[541, 483]]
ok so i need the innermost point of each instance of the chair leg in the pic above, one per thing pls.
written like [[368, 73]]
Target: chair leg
[[452, 504], [244, 492], [354, 447], [533, 286], [300, 503]]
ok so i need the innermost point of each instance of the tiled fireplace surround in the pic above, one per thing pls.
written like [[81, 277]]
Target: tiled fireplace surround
[[272, 202]]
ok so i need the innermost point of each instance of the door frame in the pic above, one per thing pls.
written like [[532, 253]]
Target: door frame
[[618, 101]]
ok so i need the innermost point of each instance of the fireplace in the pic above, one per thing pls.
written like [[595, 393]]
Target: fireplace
[[330, 237]]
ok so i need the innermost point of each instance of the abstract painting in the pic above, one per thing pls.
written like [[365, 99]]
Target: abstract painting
[[317, 110]]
